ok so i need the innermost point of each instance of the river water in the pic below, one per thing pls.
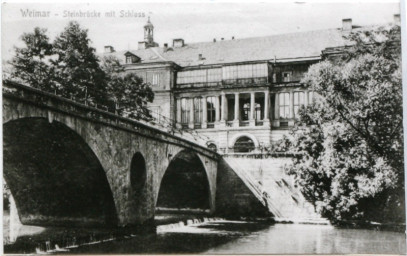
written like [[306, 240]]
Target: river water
[[244, 237]]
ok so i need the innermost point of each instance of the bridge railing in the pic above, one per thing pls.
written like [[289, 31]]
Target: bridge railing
[[60, 104]]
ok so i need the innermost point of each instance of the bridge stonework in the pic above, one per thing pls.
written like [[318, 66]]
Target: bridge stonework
[[114, 140]]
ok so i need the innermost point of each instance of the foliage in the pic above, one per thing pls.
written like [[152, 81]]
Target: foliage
[[77, 66], [351, 138], [70, 67], [128, 94], [31, 63], [282, 145]]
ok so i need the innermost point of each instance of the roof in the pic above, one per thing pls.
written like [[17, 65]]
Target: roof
[[284, 46]]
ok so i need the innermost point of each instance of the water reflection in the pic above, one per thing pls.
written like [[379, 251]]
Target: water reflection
[[315, 239], [243, 237]]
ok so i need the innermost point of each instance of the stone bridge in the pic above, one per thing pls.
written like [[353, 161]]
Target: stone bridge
[[68, 163]]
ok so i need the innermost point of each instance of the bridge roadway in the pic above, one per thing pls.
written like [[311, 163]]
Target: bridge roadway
[[68, 163]]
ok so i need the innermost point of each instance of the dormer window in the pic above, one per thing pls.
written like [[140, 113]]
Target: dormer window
[[131, 58]]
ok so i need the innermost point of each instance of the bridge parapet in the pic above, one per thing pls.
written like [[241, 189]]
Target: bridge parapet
[[33, 96]]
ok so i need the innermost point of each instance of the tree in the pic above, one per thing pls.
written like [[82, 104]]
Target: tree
[[77, 66], [70, 67], [351, 140], [128, 94], [31, 63]]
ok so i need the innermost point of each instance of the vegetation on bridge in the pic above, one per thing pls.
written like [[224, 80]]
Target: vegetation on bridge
[[70, 67], [352, 137]]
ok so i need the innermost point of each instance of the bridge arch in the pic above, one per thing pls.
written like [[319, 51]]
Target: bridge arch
[[185, 184], [54, 176]]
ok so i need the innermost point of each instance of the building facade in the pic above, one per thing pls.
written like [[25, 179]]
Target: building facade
[[243, 95]]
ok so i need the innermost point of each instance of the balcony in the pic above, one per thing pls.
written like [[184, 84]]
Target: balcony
[[198, 85], [243, 82]]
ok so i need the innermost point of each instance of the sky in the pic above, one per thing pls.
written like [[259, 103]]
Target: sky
[[194, 21]]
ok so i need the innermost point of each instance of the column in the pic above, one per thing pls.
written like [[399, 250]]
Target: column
[[217, 112], [204, 113], [291, 122], [276, 121], [223, 113], [178, 114], [266, 119], [191, 113], [236, 121], [291, 104], [252, 121]]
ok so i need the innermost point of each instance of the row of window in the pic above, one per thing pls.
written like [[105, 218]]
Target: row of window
[[299, 99], [215, 75], [245, 71], [199, 76], [197, 102], [149, 77], [227, 72], [284, 103]]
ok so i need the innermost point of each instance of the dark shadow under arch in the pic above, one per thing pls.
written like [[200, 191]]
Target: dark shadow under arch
[[185, 184], [138, 176], [54, 176]]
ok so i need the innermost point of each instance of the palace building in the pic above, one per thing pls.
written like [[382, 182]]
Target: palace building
[[243, 94]]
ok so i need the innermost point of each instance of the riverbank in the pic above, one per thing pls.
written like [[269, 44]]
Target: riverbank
[[394, 227]]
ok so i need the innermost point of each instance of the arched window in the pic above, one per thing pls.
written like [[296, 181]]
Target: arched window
[[244, 145]]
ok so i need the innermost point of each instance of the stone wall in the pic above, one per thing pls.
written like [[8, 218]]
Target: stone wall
[[114, 146], [233, 198]]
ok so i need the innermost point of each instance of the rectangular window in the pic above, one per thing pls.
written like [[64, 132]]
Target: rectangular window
[[156, 79], [245, 71], [284, 104], [185, 108], [286, 76], [155, 113], [210, 106], [197, 110], [298, 101], [214, 75]]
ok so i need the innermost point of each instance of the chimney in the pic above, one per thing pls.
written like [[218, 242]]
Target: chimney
[[109, 49], [176, 43], [397, 20], [347, 25], [165, 47], [142, 45], [214, 40], [200, 56]]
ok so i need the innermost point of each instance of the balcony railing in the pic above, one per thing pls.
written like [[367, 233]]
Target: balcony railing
[[239, 82], [244, 81], [198, 85], [244, 123]]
